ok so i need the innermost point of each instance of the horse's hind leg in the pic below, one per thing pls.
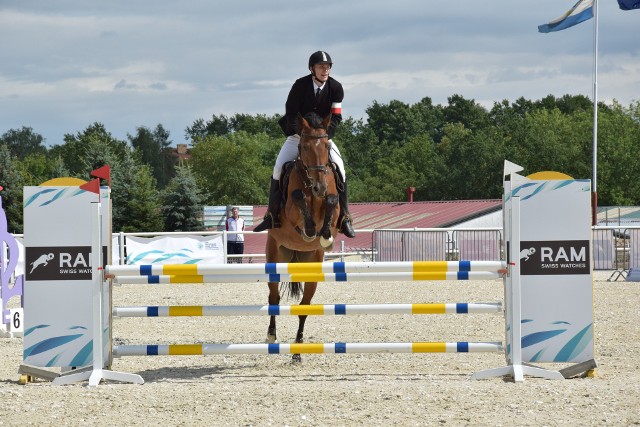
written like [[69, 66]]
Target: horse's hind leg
[[274, 299], [272, 255], [309, 291]]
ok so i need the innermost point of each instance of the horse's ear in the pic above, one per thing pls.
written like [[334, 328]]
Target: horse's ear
[[302, 123], [326, 121]]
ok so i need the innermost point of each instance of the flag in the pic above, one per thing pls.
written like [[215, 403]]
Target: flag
[[629, 4], [92, 186], [580, 12], [511, 168], [104, 172]]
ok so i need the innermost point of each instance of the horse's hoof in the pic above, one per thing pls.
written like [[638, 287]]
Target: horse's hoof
[[271, 336], [295, 359], [325, 243]]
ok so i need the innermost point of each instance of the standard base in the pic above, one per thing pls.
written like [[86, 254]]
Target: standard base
[[97, 375], [517, 372]]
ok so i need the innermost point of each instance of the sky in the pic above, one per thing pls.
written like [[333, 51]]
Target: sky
[[67, 64]]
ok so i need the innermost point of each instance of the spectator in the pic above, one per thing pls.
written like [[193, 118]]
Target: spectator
[[235, 241]]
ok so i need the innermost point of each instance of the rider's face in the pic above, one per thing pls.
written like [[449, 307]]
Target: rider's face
[[321, 72]]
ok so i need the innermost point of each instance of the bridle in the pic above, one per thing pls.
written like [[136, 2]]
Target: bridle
[[320, 168]]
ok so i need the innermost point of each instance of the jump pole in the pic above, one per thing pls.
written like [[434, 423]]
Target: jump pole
[[306, 348], [310, 277], [305, 268], [307, 310]]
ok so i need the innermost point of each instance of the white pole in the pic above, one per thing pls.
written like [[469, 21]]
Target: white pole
[[594, 188], [310, 267]]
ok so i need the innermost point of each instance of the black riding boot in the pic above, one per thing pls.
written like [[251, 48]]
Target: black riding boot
[[344, 220], [272, 217]]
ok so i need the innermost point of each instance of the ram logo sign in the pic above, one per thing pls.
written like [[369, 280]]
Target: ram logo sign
[[59, 263], [555, 257]]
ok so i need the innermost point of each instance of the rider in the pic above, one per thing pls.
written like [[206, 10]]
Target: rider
[[319, 93]]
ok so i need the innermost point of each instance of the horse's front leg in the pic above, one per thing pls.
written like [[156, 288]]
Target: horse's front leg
[[300, 201], [307, 295], [274, 299], [330, 203]]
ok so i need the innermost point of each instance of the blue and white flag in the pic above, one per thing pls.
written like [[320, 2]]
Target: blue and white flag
[[629, 4], [580, 12]]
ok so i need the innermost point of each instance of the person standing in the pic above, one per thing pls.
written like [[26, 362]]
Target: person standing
[[235, 241], [316, 92]]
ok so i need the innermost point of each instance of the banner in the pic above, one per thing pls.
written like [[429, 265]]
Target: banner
[[555, 268], [58, 298], [174, 250]]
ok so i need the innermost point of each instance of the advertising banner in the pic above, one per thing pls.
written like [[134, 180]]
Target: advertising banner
[[555, 268], [174, 250], [58, 280]]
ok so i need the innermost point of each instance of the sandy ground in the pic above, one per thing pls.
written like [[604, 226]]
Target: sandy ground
[[356, 389]]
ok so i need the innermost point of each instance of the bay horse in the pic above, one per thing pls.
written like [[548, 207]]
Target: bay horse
[[309, 216]]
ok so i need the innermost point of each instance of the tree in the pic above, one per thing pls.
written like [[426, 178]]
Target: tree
[[471, 163], [232, 169], [467, 112], [618, 160], [152, 146], [567, 104], [11, 194], [135, 199], [182, 208], [36, 169], [394, 124], [223, 125], [418, 160], [551, 140], [96, 139], [23, 142]]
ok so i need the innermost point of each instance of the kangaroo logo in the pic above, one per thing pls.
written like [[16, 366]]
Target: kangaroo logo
[[526, 253], [42, 260]]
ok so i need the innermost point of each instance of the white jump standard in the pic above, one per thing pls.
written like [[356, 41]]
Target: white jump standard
[[551, 288]]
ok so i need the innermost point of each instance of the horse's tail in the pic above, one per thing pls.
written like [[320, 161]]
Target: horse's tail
[[293, 291]]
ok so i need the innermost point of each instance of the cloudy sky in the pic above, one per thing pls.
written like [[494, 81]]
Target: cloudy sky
[[66, 64]]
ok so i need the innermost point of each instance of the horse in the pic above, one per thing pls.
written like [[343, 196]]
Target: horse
[[309, 216]]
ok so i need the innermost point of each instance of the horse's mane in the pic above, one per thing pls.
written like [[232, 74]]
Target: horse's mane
[[314, 120]]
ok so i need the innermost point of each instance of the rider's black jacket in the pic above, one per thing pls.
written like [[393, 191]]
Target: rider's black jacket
[[302, 100]]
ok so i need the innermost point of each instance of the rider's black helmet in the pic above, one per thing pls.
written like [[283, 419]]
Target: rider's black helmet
[[320, 57]]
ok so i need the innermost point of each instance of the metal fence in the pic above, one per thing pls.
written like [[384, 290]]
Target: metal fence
[[614, 248], [438, 244]]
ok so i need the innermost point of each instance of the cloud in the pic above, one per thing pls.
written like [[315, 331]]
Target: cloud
[[69, 63]]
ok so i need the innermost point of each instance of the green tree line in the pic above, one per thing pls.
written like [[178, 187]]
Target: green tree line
[[446, 152]]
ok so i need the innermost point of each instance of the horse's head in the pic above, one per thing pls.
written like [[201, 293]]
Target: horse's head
[[314, 151]]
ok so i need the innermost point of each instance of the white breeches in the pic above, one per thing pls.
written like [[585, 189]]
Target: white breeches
[[289, 152]]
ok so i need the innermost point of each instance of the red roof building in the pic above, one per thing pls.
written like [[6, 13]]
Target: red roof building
[[391, 215]]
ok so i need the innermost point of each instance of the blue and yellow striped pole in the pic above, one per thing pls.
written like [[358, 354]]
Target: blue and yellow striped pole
[[306, 310], [310, 277], [305, 348], [305, 268]]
